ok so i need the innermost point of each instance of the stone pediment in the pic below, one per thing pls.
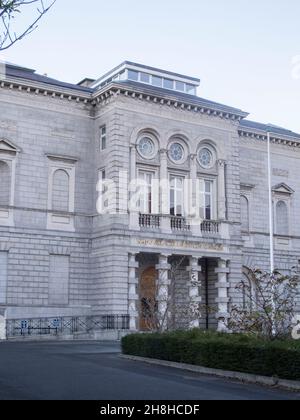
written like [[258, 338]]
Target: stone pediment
[[283, 189], [7, 146]]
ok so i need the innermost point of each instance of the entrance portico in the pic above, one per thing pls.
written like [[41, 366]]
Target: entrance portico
[[173, 291]]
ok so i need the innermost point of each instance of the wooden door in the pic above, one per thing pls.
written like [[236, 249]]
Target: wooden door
[[148, 305]]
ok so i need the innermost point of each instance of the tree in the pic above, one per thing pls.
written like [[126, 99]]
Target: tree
[[10, 32], [268, 306]]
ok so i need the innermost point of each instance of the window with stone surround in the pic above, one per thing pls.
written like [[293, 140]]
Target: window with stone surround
[[61, 193], [103, 138], [282, 218], [146, 191], [282, 201], [5, 183], [208, 206], [8, 161], [177, 195], [60, 190]]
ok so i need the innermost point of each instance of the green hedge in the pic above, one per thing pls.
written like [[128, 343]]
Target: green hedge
[[239, 353]]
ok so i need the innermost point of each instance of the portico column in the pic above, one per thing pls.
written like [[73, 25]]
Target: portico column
[[132, 292], [222, 300], [221, 190], [162, 297], [194, 284], [164, 191]]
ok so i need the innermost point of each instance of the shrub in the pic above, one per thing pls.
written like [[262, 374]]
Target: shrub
[[234, 352]]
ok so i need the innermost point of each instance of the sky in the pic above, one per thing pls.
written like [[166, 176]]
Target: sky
[[246, 53]]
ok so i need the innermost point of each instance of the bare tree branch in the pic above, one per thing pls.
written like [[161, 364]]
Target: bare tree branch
[[9, 9], [270, 309]]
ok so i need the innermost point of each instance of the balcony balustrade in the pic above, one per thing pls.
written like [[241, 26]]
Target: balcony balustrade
[[149, 221], [208, 228], [179, 224]]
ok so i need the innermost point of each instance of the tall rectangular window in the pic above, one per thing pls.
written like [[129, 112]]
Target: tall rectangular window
[[3, 276], [207, 199], [102, 178], [59, 280], [103, 137], [146, 192], [176, 195]]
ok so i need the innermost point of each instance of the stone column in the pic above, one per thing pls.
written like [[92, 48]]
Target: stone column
[[163, 284], [221, 190], [133, 296], [222, 300], [194, 284]]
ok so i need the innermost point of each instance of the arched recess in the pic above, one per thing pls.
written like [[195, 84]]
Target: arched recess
[[249, 292], [245, 215], [60, 190]]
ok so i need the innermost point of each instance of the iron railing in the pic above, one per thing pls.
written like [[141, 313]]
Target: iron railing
[[65, 325]]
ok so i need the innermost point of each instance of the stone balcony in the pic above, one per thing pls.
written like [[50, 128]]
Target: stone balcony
[[179, 225]]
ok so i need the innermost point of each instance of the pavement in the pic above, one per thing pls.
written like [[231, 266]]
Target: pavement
[[91, 370]]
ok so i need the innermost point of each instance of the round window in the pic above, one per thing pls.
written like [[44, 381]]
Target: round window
[[146, 148], [176, 152], [206, 158]]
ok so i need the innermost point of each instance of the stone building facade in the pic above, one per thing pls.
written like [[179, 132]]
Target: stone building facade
[[60, 257]]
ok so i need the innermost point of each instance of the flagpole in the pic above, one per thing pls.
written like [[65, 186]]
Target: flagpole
[[271, 223]]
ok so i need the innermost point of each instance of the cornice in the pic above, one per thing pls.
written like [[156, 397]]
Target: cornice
[[103, 96], [275, 138], [37, 88]]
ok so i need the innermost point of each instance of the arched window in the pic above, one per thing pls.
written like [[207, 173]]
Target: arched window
[[5, 183], [282, 218], [60, 191], [245, 214]]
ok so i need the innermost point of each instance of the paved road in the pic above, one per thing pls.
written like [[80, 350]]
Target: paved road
[[94, 371]]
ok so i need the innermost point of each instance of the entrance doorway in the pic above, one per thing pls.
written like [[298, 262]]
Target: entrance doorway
[[148, 304]]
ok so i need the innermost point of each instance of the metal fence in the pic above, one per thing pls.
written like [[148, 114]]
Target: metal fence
[[65, 325]]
